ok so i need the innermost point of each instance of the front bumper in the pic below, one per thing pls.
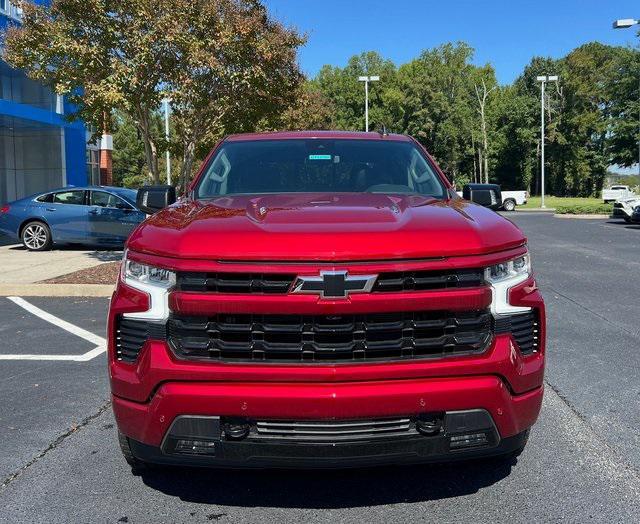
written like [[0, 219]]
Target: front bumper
[[416, 448], [148, 424]]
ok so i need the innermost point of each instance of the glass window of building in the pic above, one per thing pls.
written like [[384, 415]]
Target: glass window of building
[[31, 157], [93, 167]]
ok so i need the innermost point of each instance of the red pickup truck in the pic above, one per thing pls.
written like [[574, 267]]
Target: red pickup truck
[[323, 299]]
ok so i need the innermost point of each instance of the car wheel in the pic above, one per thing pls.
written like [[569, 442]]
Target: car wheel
[[36, 236], [509, 204], [627, 220], [136, 464]]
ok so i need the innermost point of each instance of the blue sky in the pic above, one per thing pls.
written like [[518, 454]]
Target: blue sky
[[504, 33]]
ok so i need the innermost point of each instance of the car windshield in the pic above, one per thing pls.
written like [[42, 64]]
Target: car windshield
[[319, 166]]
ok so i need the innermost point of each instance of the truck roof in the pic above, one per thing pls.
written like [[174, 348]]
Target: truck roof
[[327, 135]]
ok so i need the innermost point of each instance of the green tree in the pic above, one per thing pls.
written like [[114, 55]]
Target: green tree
[[437, 103], [346, 93], [130, 167], [129, 162], [624, 91], [101, 54], [225, 64], [515, 139], [524, 129], [229, 67], [586, 125], [311, 110]]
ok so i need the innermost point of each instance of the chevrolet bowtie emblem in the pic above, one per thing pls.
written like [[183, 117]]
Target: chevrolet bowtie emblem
[[334, 284]]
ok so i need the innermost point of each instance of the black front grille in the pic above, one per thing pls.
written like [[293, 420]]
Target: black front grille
[[131, 335], [333, 338], [245, 283], [280, 283], [524, 327], [426, 280]]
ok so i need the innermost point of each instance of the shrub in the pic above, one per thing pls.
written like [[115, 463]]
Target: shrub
[[584, 209]]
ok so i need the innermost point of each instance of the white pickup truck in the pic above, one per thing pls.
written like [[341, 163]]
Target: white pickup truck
[[616, 193], [511, 199]]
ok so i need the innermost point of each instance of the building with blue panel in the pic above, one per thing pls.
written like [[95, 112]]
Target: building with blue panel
[[39, 150]]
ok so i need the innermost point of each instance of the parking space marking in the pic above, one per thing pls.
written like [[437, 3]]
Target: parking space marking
[[101, 343]]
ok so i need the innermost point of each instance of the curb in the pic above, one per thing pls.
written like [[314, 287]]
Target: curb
[[55, 290], [581, 217], [536, 210]]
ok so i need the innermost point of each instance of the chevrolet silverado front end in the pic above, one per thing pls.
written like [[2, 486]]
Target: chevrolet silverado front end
[[324, 300]]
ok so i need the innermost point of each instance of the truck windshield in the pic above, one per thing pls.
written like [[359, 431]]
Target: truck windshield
[[319, 166]]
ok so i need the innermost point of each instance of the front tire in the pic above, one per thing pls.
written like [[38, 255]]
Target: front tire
[[36, 236], [509, 204]]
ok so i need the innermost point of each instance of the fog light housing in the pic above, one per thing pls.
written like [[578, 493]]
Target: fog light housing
[[429, 425], [236, 430], [195, 447], [468, 440]]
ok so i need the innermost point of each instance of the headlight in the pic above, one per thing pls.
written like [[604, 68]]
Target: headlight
[[155, 282], [504, 276], [142, 273], [509, 269]]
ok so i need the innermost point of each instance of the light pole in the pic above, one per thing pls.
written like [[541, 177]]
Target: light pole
[[166, 103], [543, 80], [366, 80], [625, 23]]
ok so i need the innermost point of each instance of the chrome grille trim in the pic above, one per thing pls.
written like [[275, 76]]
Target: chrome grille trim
[[333, 430]]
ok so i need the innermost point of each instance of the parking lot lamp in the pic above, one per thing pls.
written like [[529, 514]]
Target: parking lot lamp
[[366, 80], [625, 23], [543, 80]]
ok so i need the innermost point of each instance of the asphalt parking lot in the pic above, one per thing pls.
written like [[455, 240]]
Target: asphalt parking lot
[[60, 461]]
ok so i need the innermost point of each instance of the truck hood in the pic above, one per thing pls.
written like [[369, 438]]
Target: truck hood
[[324, 227]]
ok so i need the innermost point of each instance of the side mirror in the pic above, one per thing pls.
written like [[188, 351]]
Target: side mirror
[[151, 199], [486, 195]]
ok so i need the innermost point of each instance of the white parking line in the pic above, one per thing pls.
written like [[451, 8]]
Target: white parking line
[[101, 343]]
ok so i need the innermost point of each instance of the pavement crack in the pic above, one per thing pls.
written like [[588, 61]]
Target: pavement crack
[[54, 444], [596, 436], [568, 403], [634, 334]]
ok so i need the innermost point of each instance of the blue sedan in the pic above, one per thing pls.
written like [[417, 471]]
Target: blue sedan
[[96, 215]]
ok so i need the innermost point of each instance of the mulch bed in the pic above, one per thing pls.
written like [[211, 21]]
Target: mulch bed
[[102, 274]]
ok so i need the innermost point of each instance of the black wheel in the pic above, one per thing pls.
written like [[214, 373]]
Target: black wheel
[[36, 236], [136, 464], [509, 204], [627, 220]]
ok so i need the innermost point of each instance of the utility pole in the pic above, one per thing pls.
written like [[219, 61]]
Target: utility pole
[[366, 80], [624, 23], [543, 80], [166, 102]]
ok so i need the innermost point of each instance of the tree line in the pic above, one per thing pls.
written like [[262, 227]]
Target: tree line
[[227, 66], [482, 131]]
